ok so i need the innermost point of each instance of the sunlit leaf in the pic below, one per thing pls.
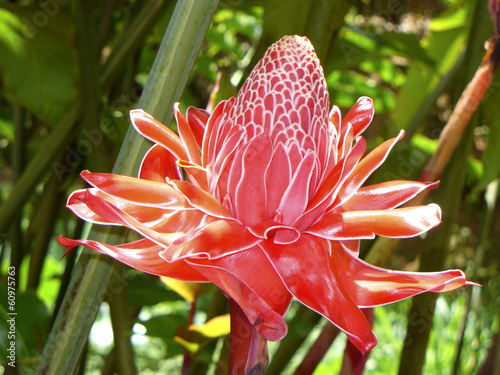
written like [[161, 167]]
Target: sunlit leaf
[[38, 61], [186, 290], [145, 290], [30, 323], [164, 327], [197, 336]]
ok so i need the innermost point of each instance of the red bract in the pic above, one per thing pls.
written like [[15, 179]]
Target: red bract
[[273, 206]]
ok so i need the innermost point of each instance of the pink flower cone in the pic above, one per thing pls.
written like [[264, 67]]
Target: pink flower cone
[[273, 205]]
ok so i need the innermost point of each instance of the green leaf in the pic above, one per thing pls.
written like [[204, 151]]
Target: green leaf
[[6, 126], [37, 63], [186, 290], [444, 47], [146, 290], [30, 323], [165, 327], [403, 44]]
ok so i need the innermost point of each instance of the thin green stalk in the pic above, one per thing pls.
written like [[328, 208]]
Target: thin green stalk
[[124, 358], [131, 39], [42, 227], [68, 270], [88, 62], [18, 154], [106, 21], [491, 196], [168, 77]]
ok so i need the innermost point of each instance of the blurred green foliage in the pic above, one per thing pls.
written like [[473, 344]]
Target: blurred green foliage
[[410, 60]]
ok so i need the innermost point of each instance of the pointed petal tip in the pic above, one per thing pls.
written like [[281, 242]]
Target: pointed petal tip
[[85, 173], [433, 185], [66, 242], [437, 212], [471, 283], [367, 346], [400, 136], [135, 113]]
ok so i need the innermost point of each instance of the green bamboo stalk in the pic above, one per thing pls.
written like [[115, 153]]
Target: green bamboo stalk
[[124, 358], [171, 69]]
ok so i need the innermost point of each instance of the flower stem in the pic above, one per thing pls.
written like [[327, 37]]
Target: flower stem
[[248, 349]]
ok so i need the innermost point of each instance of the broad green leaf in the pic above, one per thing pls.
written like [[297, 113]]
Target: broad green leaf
[[450, 19], [164, 327], [38, 63], [146, 290], [405, 45], [346, 89], [444, 47], [30, 323]]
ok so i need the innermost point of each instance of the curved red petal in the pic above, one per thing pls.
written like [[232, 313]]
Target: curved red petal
[[365, 168], [397, 223], [141, 255], [166, 230], [250, 194], [331, 184], [197, 119], [213, 127], [278, 177], [141, 192], [371, 286], [306, 269], [187, 136], [211, 241], [254, 286], [360, 115], [296, 196], [158, 133], [327, 191], [385, 196], [76, 203], [158, 164], [200, 199]]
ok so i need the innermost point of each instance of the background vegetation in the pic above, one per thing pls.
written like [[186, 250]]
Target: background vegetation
[[69, 73]]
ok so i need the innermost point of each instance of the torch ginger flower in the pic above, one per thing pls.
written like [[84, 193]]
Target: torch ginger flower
[[273, 205]]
